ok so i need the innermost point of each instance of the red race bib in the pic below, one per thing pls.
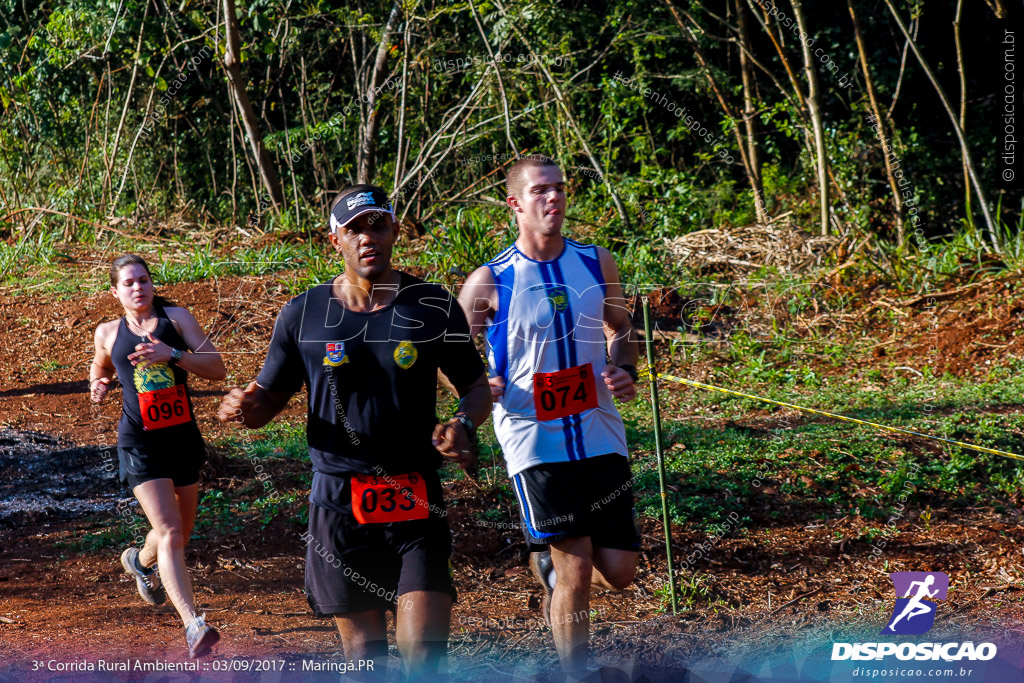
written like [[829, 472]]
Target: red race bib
[[379, 500], [565, 392], [164, 407]]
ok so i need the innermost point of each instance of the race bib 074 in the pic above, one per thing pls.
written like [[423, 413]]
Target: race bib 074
[[565, 392]]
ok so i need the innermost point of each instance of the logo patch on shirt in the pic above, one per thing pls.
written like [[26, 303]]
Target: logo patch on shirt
[[558, 298], [335, 354], [406, 354], [152, 377]]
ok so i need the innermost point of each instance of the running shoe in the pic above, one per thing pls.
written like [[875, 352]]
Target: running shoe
[[146, 580], [543, 569], [201, 637]]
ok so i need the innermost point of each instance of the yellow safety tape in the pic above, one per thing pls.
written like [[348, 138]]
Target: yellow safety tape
[[681, 380]]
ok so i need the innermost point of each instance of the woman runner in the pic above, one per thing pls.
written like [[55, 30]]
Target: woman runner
[[152, 349]]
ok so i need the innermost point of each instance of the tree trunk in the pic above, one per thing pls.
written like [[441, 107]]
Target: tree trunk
[[749, 120], [108, 179], [766, 24], [801, 98], [596, 165], [993, 234], [752, 178], [497, 72], [814, 111], [368, 147], [879, 121], [268, 175], [963, 100], [401, 109]]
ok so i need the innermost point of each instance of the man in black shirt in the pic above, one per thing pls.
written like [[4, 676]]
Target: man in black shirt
[[368, 345]]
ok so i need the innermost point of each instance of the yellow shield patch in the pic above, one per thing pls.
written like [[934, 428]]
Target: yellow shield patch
[[152, 377], [405, 354]]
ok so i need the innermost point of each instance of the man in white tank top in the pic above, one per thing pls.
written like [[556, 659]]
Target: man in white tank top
[[559, 351]]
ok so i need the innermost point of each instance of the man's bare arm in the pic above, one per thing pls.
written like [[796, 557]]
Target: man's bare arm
[[451, 438], [475, 400], [479, 299], [253, 407], [618, 327]]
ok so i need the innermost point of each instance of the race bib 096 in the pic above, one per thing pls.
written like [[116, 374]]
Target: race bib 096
[[164, 407]]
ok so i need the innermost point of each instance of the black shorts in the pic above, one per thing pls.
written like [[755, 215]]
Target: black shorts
[[353, 567], [590, 497], [170, 461]]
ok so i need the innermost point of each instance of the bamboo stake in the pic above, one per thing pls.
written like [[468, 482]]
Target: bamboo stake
[[666, 522]]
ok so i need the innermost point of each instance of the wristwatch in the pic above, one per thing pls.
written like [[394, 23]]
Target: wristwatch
[[176, 355], [470, 428], [467, 423]]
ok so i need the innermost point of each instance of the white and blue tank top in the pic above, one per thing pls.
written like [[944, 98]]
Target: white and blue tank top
[[550, 318]]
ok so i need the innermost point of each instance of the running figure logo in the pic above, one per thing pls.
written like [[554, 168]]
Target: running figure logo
[[913, 613]]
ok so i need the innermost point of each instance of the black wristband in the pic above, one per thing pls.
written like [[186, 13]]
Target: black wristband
[[631, 370]]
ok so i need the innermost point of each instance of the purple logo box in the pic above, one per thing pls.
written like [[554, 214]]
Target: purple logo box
[[914, 612]]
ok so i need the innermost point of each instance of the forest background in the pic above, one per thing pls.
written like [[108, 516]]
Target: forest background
[[876, 119]]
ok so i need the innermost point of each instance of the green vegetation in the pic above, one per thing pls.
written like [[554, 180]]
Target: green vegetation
[[733, 464], [273, 464], [121, 531], [809, 467], [202, 263], [116, 114], [34, 263], [694, 589], [667, 119], [220, 514], [469, 240], [720, 461]]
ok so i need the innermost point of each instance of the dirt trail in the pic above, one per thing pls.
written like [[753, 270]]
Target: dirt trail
[[42, 480], [62, 601]]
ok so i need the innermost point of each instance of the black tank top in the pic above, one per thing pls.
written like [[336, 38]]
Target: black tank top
[[157, 407]]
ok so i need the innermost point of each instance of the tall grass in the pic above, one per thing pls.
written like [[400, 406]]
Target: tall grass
[[464, 242], [203, 263], [36, 262]]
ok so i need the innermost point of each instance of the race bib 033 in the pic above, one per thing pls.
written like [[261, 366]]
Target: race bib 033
[[379, 500]]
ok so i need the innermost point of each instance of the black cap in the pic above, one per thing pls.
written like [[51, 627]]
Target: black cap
[[357, 200]]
